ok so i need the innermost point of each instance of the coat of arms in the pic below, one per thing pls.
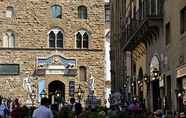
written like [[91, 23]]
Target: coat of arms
[[56, 60]]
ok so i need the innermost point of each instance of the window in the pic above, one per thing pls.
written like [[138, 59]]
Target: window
[[154, 7], [167, 35], [9, 69], [55, 37], [56, 11], [71, 88], [10, 11], [107, 15], [83, 73], [9, 39], [82, 39], [107, 12], [183, 20], [82, 12]]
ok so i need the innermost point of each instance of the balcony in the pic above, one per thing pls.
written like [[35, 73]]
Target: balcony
[[145, 21]]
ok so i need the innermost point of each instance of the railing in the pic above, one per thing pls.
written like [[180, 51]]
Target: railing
[[148, 9]]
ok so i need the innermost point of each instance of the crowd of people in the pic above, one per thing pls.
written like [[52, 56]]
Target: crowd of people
[[9, 107]]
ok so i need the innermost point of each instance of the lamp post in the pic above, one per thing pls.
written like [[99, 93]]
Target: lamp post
[[132, 87], [79, 93], [156, 73], [33, 96], [180, 93]]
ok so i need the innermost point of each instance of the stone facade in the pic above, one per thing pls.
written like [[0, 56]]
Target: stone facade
[[154, 38], [117, 56], [31, 23]]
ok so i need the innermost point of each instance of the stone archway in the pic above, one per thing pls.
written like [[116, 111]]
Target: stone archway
[[56, 91], [156, 99]]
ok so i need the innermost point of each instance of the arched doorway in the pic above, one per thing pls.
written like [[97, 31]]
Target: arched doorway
[[140, 84], [56, 92], [156, 99]]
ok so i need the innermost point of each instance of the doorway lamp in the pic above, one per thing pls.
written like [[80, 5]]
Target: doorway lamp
[[43, 93]]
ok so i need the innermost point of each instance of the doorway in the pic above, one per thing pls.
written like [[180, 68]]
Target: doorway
[[156, 95], [56, 92]]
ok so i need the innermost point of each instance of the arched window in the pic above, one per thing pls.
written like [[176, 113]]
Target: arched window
[[10, 11], [83, 73], [56, 11], [82, 39], [60, 39], [55, 37], [9, 39], [85, 40], [82, 12], [78, 40], [51, 39]]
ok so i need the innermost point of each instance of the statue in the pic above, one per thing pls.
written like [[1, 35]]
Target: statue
[[91, 82], [27, 85]]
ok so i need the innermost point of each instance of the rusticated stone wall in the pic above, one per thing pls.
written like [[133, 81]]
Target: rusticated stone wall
[[31, 23]]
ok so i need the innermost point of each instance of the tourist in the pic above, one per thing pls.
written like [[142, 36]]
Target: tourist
[[3, 109], [15, 109], [78, 109], [43, 111], [72, 104]]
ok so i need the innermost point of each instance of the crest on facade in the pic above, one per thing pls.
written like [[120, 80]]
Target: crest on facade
[[56, 59], [56, 64]]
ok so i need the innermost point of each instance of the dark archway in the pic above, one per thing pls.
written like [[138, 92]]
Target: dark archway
[[156, 95], [140, 74], [56, 89], [140, 85]]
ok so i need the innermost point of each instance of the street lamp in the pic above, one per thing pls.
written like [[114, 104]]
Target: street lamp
[[43, 93], [156, 73], [146, 78], [139, 82], [132, 84], [79, 93], [33, 96], [125, 85], [180, 93]]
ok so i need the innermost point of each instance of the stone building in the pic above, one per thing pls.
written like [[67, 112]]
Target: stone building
[[52, 46], [154, 33], [117, 56], [107, 53]]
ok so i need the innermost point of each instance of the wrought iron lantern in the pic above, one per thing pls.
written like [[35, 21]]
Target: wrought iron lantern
[[146, 78], [132, 84], [125, 85], [80, 93], [43, 93], [156, 72], [139, 82]]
